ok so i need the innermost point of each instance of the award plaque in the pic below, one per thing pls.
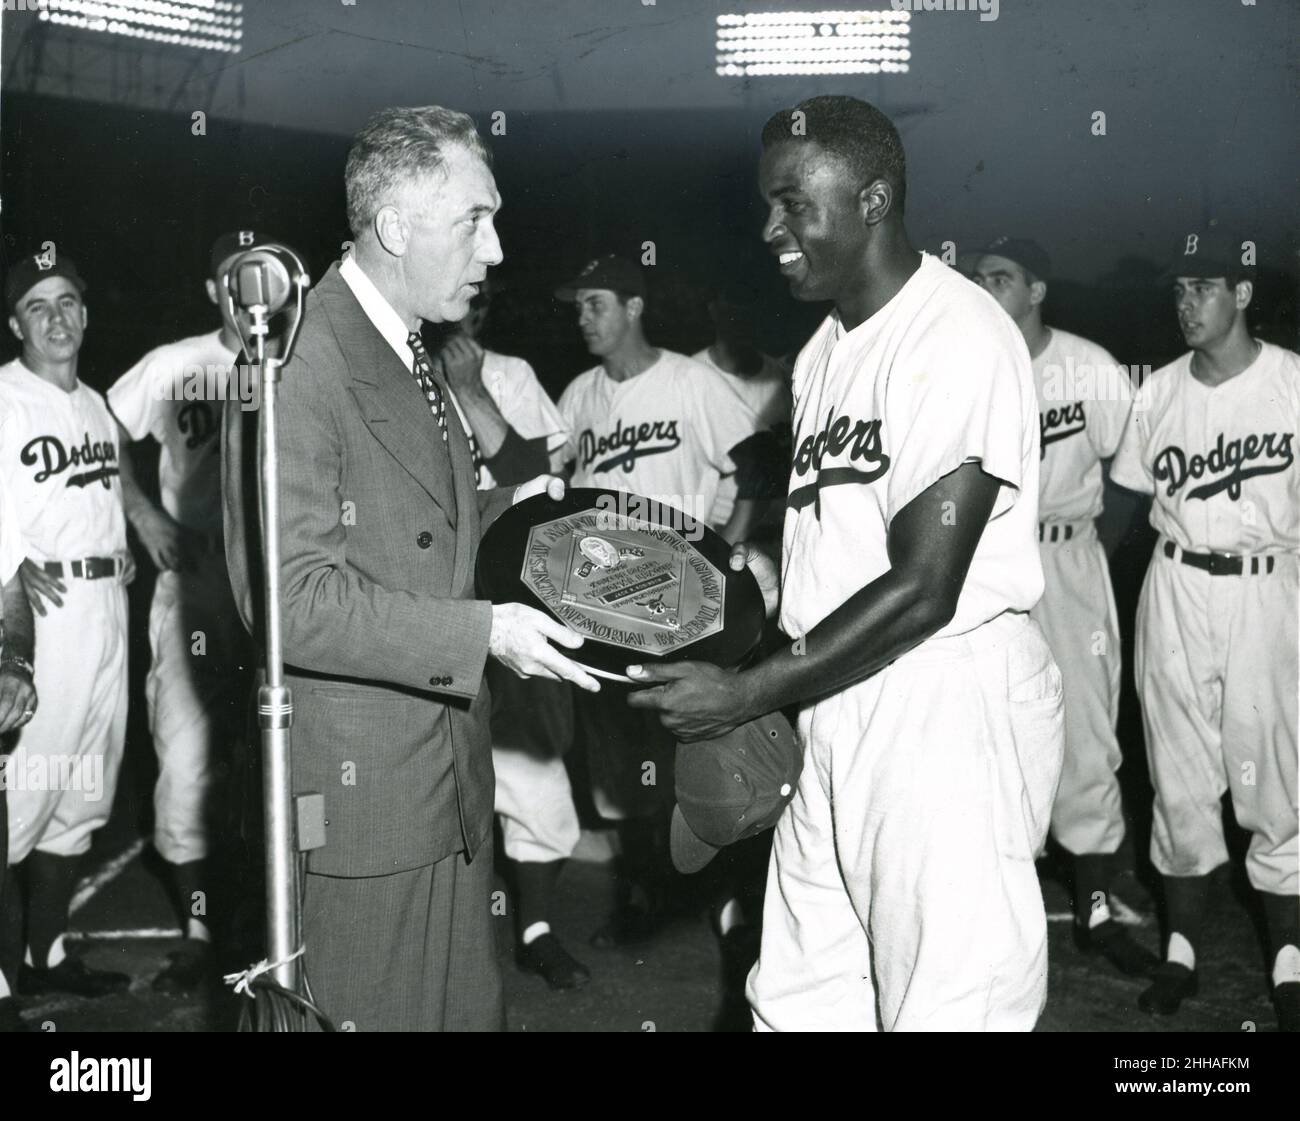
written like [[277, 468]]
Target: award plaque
[[639, 580]]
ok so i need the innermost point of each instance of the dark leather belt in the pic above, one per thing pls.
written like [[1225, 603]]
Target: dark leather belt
[[1054, 533], [90, 568], [1220, 564]]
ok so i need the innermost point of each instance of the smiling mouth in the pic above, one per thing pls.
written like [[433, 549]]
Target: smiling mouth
[[790, 262]]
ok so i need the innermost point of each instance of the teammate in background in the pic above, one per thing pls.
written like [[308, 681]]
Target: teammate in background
[[661, 425], [756, 378], [17, 706], [1217, 656], [516, 434], [59, 461], [1084, 399], [902, 893], [193, 687]]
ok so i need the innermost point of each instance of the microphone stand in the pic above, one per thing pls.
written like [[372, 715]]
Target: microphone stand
[[259, 284]]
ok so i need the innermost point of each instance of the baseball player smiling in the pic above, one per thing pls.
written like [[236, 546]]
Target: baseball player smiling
[[902, 893], [1217, 659]]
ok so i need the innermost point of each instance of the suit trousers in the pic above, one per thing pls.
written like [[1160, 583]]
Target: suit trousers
[[412, 951]]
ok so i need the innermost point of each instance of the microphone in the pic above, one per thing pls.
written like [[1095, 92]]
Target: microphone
[[259, 284]]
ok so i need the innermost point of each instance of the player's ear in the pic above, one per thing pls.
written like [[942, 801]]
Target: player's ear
[[210, 287], [1244, 293], [875, 201], [16, 327], [1037, 293], [392, 230], [635, 307]]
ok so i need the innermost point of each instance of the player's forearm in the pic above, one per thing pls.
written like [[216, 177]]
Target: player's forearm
[[19, 632], [884, 620], [743, 518], [485, 420], [135, 502]]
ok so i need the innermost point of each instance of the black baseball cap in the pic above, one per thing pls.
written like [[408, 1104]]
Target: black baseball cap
[[615, 273], [1026, 253], [28, 272], [226, 246], [1208, 254], [731, 788]]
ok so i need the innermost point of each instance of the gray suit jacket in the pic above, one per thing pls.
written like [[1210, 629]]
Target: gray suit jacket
[[384, 644]]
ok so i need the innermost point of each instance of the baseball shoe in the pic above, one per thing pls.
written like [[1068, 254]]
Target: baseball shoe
[[1129, 901], [186, 969], [1286, 1002], [546, 956], [1110, 940], [71, 975], [1173, 984]]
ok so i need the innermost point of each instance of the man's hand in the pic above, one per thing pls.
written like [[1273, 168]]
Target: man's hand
[[518, 641], [462, 364], [128, 569], [17, 698], [40, 583], [695, 700], [764, 570], [165, 539], [552, 485]]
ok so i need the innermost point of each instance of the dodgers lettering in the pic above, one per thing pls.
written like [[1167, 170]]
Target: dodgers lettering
[[627, 441], [1174, 466], [860, 438]]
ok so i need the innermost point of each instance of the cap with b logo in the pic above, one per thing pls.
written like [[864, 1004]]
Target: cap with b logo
[[226, 246], [1209, 254], [731, 788], [611, 272], [24, 275]]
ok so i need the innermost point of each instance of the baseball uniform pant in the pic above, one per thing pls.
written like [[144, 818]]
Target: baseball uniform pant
[[414, 951], [629, 755], [532, 724], [901, 894], [1217, 666], [62, 774], [193, 692], [1078, 617]]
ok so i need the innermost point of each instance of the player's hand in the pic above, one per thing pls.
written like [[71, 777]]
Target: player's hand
[[552, 485], [695, 700], [128, 569], [462, 364], [40, 584], [164, 539], [519, 642], [764, 570], [17, 698]]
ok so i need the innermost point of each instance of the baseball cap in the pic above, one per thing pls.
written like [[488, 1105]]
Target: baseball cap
[[1026, 253], [226, 246], [731, 788], [1211, 253], [610, 271], [25, 274]]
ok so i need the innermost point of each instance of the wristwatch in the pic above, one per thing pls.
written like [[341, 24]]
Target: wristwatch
[[19, 663]]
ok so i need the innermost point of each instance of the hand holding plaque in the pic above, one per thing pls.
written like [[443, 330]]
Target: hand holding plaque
[[641, 581]]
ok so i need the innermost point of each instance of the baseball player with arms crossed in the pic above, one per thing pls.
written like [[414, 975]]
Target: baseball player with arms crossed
[[1084, 399], [515, 434], [902, 893], [59, 461], [17, 707], [664, 426], [193, 687], [1217, 660]]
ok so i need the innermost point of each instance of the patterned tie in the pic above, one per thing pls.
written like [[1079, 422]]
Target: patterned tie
[[423, 371]]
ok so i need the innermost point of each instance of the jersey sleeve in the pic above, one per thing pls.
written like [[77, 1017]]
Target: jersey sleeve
[[567, 407], [136, 398], [1109, 410], [526, 407], [968, 394], [1130, 468], [724, 419]]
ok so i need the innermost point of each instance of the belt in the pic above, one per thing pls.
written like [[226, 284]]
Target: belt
[[1220, 564], [91, 568], [1052, 532]]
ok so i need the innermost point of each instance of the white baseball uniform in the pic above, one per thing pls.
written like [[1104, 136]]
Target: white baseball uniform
[[532, 720], [666, 435], [902, 893], [174, 395], [1084, 399], [58, 459], [1217, 659], [767, 396]]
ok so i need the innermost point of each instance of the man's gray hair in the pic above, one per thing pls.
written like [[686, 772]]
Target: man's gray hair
[[396, 146]]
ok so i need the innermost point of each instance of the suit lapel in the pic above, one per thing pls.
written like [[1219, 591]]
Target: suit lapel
[[391, 403]]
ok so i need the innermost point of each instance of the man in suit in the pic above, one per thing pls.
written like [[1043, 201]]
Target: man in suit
[[384, 643]]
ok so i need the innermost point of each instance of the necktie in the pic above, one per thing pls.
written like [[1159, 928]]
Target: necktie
[[423, 371]]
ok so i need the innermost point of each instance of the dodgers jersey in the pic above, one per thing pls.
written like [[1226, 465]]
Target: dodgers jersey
[[150, 400], [58, 459], [1220, 460], [1084, 399], [937, 377], [666, 433], [523, 404]]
